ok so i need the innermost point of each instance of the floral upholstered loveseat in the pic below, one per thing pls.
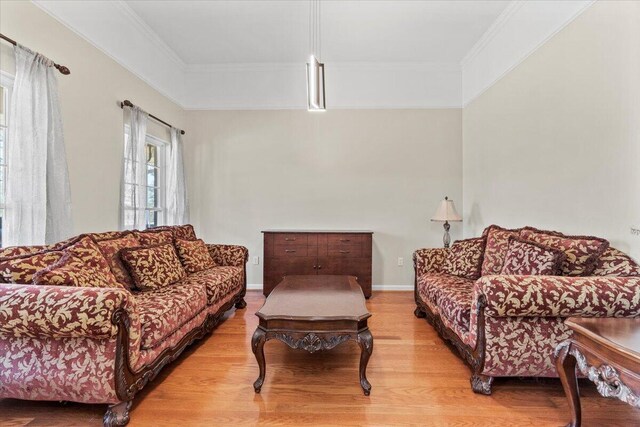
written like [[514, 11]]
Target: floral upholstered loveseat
[[501, 299], [74, 325]]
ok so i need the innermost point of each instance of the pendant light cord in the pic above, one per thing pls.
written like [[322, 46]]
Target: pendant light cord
[[315, 45]]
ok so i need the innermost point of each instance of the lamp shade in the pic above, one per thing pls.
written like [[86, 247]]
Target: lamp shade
[[446, 212]]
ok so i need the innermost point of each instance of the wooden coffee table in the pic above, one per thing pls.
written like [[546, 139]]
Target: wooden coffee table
[[607, 351], [314, 313]]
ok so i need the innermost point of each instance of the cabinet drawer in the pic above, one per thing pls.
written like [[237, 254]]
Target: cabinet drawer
[[344, 239], [290, 239], [291, 250], [348, 251]]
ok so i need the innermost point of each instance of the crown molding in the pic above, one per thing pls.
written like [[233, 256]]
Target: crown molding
[[494, 29], [149, 33], [505, 44], [168, 83]]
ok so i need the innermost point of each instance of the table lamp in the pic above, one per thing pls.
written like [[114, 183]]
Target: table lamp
[[446, 212]]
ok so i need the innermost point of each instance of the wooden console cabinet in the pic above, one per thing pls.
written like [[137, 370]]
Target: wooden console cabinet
[[312, 252]]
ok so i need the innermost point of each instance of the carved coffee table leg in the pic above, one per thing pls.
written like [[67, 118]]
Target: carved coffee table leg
[[365, 341], [566, 367], [257, 345]]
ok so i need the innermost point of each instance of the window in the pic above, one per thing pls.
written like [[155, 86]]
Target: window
[[6, 84], [153, 186]]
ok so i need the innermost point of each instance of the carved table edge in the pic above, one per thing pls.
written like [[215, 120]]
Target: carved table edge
[[605, 377]]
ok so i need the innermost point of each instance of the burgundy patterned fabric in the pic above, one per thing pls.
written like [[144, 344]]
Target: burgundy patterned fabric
[[193, 255], [582, 252], [530, 258], [153, 237], [111, 250], [150, 355], [616, 263], [153, 267], [496, 248], [58, 343], [183, 232], [17, 251], [548, 296], [219, 282], [429, 260], [82, 265], [454, 302], [164, 311], [522, 346], [230, 255], [464, 258], [70, 369], [108, 235], [57, 312], [450, 296], [22, 269]]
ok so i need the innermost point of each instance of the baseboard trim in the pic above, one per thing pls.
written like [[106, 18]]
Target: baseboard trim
[[258, 287]]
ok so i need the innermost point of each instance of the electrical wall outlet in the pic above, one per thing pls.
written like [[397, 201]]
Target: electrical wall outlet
[[400, 261], [256, 260]]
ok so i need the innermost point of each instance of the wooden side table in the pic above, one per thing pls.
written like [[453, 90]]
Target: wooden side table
[[607, 351]]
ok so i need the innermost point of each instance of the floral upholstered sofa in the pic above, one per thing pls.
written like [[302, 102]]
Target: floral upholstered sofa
[[94, 318], [502, 298]]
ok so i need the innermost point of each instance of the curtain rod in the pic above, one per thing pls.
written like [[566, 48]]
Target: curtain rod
[[64, 70], [127, 103]]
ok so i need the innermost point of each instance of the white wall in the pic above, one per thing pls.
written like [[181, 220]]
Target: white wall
[[556, 142], [384, 170], [89, 98]]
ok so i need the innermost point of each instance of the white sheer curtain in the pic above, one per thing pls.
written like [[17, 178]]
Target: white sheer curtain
[[177, 204], [38, 198], [132, 186]]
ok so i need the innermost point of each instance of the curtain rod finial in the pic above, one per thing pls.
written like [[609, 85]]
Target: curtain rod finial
[[64, 70]]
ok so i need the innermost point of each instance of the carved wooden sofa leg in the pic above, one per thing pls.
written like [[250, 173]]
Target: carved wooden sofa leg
[[481, 384], [117, 415], [241, 303], [419, 313]]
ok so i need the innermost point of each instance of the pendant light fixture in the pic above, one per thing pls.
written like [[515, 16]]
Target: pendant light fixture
[[315, 69]]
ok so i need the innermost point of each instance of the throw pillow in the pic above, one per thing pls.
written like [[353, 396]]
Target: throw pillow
[[614, 262], [496, 248], [22, 269], [107, 235], [111, 251], [182, 232], [464, 258], [153, 267], [530, 258], [194, 255], [582, 252], [153, 237], [82, 265]]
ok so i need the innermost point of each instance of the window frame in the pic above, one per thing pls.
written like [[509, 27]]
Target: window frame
[[160, 186], [6, 81], [161, 183]]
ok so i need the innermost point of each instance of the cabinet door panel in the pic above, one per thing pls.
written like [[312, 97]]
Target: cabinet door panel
[[359, 267], [276, 268]]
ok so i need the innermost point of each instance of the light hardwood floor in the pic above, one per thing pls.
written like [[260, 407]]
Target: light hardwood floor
[[417, 380]]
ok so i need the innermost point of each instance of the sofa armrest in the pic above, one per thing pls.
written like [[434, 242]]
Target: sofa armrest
[[229, 255], [558, 296], [60, 311], [429, 260]]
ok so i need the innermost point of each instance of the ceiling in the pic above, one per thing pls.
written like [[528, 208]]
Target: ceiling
[[230, 55], [268, 31]]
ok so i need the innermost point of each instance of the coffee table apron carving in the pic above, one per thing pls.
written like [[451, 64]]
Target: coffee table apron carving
[[314, 313]]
